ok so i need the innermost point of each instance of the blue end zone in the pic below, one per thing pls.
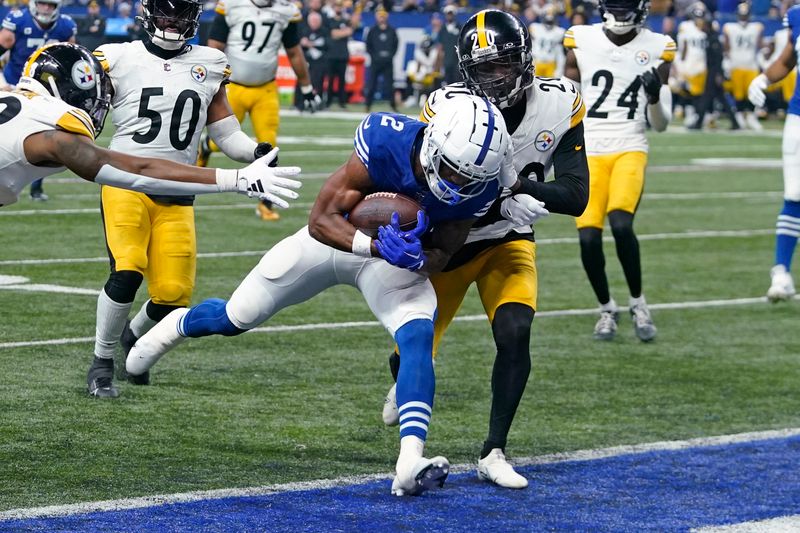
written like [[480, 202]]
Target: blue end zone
[[660, 491]]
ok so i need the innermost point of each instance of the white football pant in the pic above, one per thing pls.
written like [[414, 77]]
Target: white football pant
[[791, 158]]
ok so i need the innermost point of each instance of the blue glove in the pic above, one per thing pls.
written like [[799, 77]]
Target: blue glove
[[402, 248]]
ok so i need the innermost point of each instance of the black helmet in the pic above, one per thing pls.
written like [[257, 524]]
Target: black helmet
[[171, 21], [494, 56], [622, 16], [70, 73]]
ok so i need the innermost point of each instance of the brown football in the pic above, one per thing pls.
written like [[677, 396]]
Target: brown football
[[376, 210]]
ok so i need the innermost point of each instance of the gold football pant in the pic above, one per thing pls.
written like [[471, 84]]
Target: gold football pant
[[616, 182], [505, 273], [740, 82], [153, 239]]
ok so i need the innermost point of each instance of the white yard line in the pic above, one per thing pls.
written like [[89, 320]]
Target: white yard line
[[700, 234], [699, 304], [783, 524], [580, 455]]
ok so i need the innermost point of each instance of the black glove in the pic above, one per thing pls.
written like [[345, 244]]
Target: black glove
[[651, 82], [311, 100], [263, 149]]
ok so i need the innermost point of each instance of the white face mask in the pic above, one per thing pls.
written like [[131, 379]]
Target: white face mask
[[167, 45], [617, 28]]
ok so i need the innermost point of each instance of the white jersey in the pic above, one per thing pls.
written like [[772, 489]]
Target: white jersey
[[547, 43], [255, 37], [553, 107], [160, 105], [24, 114], [615, 99], [743, 40], [691, 49]]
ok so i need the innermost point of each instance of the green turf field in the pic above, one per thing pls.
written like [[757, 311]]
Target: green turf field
[[273, 407]]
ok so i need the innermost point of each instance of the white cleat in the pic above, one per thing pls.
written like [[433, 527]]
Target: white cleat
[[606, 327], [643, 323], [155, 343], [391, 416], [495, 469], [751, 120], [782, 287], [426, 474]]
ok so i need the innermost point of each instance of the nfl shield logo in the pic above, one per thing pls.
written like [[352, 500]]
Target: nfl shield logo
[[199, 73]]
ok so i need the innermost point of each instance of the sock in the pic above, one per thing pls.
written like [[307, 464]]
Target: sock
[[111, 317], [208, 318], [142, 323], [411, 449], [415, 380], [610, 306], [637, 301], [786, 233], [594, 261], [511, 329], [627, 244]]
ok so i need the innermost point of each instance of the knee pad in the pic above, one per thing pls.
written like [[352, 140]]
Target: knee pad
[[590, 237], [122, 285], [171, 293], [511, 328], [208, 318]]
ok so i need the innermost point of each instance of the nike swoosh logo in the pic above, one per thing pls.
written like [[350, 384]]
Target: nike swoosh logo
[[413, 256], [578, 147]]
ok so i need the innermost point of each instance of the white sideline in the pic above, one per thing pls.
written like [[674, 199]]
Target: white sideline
[[700, 304], [773, 525], [579, 455], [710, 234]]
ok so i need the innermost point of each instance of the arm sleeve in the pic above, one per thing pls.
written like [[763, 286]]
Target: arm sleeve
[[568, 194], [228, 135], [219, 29], [10, 23], [108, 175], [291, 36]]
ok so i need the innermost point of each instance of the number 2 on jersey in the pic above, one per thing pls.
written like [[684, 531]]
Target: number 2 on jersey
[[628, 99]]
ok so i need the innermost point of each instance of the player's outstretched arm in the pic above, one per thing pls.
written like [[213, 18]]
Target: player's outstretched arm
[[157, 176], [340, 193]]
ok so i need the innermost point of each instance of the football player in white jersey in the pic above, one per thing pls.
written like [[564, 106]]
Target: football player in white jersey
[[623, 69], [786, 85], [742, 41], [544, 117], [251, 34], [51, 120], [547, 38], [691, 67], [164, 93]]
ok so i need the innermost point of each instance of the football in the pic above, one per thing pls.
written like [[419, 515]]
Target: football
[[376, 210]]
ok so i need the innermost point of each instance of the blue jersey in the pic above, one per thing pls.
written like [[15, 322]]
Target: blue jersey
[[385, 143], [792, 21], [29, 36]]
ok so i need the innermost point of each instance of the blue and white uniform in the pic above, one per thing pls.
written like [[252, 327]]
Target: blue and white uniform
[[788, 225], [299, 267], [29, 36]]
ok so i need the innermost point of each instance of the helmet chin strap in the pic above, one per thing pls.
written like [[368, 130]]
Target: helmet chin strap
[[167, 44]]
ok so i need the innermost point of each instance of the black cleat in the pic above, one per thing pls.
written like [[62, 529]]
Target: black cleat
[[127, 340], [99, 380]]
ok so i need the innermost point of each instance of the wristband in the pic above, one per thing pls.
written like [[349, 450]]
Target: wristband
[[307, 89], [228, 179], [362, 244]]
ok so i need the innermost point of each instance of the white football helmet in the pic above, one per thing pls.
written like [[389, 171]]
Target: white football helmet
[[42, 18], [469, 136]]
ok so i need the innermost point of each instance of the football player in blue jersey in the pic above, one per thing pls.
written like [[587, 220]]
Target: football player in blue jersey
[[25, 30], [454, 168], [788, 227]]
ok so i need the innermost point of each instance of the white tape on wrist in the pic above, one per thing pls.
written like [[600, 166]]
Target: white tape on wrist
[[307, 89], [228, 179], [362, 244]]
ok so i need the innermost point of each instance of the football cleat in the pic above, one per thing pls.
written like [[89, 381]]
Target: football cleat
[[99, 380], [127, 341], [391, 415], [39, 196], [782, 287], [266, 213], [203, 150], [642, 323], [494, 468], [426, 474], [155, 343], [606, 327]]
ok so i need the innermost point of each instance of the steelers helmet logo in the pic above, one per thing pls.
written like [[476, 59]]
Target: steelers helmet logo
[[544, 140], [83, 75], [642, 57], [199, 73]]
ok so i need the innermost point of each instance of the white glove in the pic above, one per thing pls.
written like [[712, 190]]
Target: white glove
[[523, 209], [261, 181], [755, 93]]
